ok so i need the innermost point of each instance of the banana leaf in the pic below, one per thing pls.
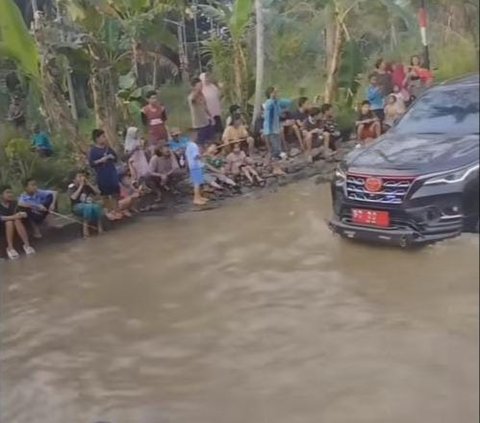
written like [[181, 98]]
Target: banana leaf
[[16, 43], [351, 67]]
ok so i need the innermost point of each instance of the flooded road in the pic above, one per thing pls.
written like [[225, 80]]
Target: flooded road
[[252, 313]]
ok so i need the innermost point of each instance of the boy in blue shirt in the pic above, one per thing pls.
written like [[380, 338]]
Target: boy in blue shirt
[[37, 203], [41, 142], [272, 128], [195, 166], [376, 98], [178, 145]]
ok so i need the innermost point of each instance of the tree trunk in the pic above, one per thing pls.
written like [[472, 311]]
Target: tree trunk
[[103, 83], [329, 36], [331, 83], [79, 87], [260, 61], [58, 113], [237, 72], [71, 94]]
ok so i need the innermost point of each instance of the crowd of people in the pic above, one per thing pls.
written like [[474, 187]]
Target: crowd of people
[[214, 157], [392, 88]]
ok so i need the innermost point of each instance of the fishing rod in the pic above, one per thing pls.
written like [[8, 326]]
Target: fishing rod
[[71, 219]]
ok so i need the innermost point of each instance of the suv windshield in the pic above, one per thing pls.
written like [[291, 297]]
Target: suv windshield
[[444, 111]]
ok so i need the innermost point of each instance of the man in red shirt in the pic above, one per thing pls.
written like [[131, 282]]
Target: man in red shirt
[[154, 117]]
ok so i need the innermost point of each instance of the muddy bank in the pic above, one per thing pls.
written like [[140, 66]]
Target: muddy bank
[[296, 169]]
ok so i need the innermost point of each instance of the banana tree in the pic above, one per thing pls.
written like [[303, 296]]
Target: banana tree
[[140, 19], [237, 21], [260, 62], [16, 43], [103, 44], [38, 63]]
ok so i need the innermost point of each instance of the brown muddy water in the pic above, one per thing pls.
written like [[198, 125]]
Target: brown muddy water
[[252, 313]]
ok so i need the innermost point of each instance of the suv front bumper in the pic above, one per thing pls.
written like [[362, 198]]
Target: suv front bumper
[[402, 237]]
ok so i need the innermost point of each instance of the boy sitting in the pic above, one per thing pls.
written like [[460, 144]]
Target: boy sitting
[[11, 222], [312, 131], [236, 133], [330, 126], [37, 203], [178, 144], [239, 164]]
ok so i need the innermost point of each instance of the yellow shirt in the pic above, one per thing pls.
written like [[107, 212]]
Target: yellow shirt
[[234, 134]]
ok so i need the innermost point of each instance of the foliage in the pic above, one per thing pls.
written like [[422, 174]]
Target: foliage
[[229, 56], [350, 70], [15, 40], [18, 161]]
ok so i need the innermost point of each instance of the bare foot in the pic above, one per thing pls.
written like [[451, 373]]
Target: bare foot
[[126, 213], [199, 202]]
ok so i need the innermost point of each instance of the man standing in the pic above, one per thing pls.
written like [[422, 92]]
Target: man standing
[[271, 124], [201, 117], [154, 117], [211, 92]]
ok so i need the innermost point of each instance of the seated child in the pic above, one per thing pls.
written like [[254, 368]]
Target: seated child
[[178, 145], [165, 170], [12, 222], [237, 132], [313, 131], [82, 194], [330, 126], [38, 204], [215, 169], [41, 142], [129, 195], [368, 124], [239, 164], [392, 113]]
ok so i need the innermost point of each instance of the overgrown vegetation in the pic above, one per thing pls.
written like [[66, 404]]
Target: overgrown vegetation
[[89, 63]]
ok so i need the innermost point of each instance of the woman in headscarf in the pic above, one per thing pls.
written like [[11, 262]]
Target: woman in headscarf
[[137, 161]]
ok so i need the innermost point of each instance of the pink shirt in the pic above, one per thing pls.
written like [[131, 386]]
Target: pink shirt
[[212, 96]]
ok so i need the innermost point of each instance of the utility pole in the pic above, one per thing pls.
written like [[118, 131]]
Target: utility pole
[[423, 21], [197, 41]]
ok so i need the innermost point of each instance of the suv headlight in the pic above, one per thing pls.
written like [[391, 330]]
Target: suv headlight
[[452, 177], [340, 175]]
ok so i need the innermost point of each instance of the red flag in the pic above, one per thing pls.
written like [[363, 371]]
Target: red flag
[[422, 18]]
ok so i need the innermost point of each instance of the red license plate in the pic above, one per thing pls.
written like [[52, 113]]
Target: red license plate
[[371, 217]]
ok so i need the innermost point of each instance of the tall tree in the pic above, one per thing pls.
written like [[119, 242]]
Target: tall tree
[[237, 22], [260, 62]]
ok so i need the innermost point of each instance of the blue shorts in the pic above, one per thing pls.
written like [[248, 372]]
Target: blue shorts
[[196, 176]]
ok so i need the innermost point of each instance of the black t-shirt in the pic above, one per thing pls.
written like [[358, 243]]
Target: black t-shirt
[[299, 116], [310, 125], [8, 209], [86, 195]]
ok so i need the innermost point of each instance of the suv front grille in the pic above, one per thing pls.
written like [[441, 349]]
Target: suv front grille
[[393, 190]]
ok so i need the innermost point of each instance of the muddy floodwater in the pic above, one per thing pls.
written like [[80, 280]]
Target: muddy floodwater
[[250, 313]]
